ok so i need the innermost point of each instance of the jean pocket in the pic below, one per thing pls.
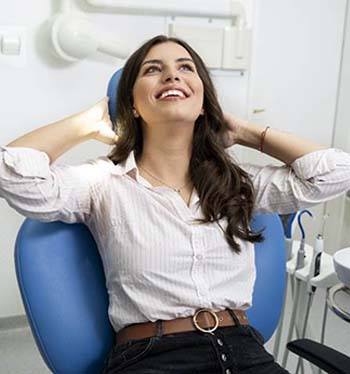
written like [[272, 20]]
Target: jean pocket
[[256, 335], [128, 353]]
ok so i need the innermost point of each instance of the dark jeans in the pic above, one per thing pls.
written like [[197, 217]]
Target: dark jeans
[[233, 349]]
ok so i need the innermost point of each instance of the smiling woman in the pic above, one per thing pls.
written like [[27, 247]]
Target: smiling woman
[[170, 210], [170, 116]]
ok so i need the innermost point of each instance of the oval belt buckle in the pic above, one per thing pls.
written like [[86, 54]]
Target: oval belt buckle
[[210, 331]]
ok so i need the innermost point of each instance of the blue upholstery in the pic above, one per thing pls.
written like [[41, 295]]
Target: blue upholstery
[[270, 262], [112, 94], [62, 283]]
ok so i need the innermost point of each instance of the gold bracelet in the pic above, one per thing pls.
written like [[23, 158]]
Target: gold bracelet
[[262, 138]]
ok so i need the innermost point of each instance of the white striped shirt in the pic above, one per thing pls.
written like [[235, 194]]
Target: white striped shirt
[[158, 265]]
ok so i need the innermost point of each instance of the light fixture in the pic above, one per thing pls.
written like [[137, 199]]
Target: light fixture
[[75, 38]]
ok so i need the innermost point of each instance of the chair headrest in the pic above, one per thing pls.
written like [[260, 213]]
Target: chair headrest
[[112, 92]]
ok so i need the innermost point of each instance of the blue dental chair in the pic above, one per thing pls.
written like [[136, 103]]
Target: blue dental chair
[[62, 284]]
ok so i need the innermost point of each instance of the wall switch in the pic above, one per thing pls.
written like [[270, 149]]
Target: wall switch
[[11, 45]]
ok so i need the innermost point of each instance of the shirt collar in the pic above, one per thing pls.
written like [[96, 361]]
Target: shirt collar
[[129, 167]]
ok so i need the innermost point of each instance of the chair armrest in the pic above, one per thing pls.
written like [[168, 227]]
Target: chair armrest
[[324, 357]]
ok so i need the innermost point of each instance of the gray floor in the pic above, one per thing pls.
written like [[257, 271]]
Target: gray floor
[[19, 354]]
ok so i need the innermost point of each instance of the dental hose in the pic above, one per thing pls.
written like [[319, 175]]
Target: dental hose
[[315, 270], [300, 263]]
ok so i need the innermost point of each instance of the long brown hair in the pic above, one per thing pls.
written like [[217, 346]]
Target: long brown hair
[[224, 189]]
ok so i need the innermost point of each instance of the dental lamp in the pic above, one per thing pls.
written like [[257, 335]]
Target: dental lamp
[[74, 38]]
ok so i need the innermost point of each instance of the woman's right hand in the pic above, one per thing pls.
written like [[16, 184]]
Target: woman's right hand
[[97, 119]]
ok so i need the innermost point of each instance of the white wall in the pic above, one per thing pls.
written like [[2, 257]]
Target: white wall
[[294, 76], [295, 70], [342, 139]]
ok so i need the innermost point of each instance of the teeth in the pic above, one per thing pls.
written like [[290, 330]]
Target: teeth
[[171, 92]]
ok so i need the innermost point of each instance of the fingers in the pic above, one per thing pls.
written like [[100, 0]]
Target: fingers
[[106, 134], [105, 98], [114, 140]]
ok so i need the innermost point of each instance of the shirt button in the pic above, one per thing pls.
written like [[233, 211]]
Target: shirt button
[[228, 371], [223, 356], [199, 257], [220, 342]]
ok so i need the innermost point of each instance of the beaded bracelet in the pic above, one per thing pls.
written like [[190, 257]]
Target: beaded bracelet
[[262, 138]]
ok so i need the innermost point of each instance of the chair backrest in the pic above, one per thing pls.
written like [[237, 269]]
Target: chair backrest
[[270, 284], [62, 284]]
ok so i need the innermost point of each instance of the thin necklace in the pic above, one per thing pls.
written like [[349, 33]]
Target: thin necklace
[[175, 189]]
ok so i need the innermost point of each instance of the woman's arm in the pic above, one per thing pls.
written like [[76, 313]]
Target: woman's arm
[[312, 173], [58, 137], [311, 179], [284, 146], [58, 192]]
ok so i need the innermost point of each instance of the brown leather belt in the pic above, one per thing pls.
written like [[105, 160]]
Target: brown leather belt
[[205, 320]]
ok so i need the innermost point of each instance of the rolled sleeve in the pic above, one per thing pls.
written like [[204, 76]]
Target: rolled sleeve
[[26, 162], [314, 178], [47, 193]]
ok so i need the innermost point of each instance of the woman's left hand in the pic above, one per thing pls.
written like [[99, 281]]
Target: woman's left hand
[[233, 129]]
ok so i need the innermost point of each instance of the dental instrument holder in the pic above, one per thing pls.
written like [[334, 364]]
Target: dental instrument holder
[[316, 257], [326, 279], [289, 241], [301, 252], [287, 222], [300, 263], [315, 265], [289, 244], [315, 268]]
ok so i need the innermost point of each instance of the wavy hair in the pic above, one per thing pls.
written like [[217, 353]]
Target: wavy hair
[[224, 189]]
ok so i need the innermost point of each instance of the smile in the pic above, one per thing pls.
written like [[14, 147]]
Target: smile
[[172, 98], [171, 94]]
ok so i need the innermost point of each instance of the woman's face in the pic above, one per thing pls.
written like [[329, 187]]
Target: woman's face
[[168, 87]]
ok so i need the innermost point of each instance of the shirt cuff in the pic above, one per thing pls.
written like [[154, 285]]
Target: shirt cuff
[[319, 162], [27, 162]]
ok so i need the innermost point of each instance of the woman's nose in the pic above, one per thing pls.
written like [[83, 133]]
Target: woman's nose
[[171, 75]]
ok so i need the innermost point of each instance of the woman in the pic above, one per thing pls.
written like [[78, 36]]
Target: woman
[[170, 210]]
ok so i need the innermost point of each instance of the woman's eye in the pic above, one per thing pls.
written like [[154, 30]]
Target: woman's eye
[[187, 66], [153, 68]]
